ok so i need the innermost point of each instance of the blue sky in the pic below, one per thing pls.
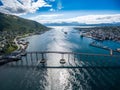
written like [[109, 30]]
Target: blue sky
[[52, 11], [69, 5]]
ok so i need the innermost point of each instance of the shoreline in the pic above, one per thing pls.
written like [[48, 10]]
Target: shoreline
[[17, 54], [101, 33], [93, 44], [22, 44], [99, 39]]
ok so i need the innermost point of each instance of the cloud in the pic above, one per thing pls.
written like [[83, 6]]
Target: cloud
[[52, 10], [87, 19], [59, 5], [96, 19], [22, 6], [52, 0], [51, 18]]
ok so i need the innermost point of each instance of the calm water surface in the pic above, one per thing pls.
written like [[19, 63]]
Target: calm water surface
[[32, 78]]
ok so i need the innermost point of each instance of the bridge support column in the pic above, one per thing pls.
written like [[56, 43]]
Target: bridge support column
[[31, 58], [43, 59], [111, 52], [36, 56]]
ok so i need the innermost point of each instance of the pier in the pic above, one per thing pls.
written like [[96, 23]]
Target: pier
[[94, 44]]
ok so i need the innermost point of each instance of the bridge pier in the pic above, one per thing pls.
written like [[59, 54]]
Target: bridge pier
[[111, 52], [26, 60], [36, 56], [43, 60], [69, 59], [31, 59]]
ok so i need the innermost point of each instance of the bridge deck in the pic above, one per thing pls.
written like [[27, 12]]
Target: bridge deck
[[52, 59], [60, 52]]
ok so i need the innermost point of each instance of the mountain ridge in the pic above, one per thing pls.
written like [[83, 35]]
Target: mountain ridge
[[12, 27], [12, 22], [81, 24]]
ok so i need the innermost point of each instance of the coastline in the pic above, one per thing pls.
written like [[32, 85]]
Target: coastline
[[21, 45], [101, 33]]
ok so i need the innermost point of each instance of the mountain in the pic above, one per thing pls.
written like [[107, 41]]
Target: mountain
[[64, 24], [82, 24], [15, 23]]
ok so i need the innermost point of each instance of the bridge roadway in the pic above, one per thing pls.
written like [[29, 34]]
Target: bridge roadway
[[75, 53], [44, 59]]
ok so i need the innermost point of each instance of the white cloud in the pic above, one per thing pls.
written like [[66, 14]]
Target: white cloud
[[52, 10], [96, 19], [51, 18], [52, 0], [22, 6], [88, 19], [59, 5]]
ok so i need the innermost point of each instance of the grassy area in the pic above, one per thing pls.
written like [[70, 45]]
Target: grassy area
[[11, 48]]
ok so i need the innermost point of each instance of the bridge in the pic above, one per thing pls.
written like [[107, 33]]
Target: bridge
[[57, 59]]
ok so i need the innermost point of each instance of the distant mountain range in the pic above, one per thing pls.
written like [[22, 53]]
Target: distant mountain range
[[81, 24], [15, 23]]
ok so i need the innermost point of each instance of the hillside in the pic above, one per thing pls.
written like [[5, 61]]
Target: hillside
[[13, 26], [15, 23]]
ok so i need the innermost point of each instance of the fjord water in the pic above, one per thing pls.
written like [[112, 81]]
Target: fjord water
[[26, 78]]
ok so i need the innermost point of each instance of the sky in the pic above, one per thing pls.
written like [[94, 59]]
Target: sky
[[69, 11]]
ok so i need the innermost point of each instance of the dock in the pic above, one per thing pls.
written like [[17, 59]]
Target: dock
[[104, 47], [99, 46]]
